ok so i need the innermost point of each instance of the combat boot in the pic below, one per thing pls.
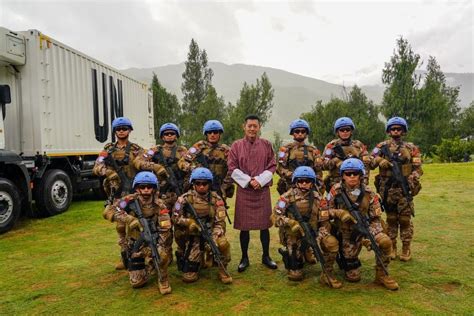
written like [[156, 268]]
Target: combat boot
[[225, 278], [164, 285], [406, 252], [330, 280], [190, 277], [138, 278], [393, 253], [385, 280], [295, 275], [353, 275]]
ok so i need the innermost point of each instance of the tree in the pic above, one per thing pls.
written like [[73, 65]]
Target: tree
[[402, 82], [466, 122], [197, 78], [166, 107], [277, 142], [369, 129], [200, 100], [254, 99], [437, 110]]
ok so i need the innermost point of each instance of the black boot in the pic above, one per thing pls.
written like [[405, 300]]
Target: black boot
[[244, 264], [266, 260]]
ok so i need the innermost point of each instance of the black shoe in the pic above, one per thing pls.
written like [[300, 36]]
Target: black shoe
[[266, 260], [243, 265]]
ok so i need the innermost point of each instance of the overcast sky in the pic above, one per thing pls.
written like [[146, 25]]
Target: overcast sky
[[341, 42]]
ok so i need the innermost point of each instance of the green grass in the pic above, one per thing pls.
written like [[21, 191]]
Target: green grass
[[64, 264]]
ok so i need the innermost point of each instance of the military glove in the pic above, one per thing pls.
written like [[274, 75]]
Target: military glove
[[159, 170], [346, 217], [385, 164], [133, 222], [193, 227], [295, 228], [367, 244], [111, 174]]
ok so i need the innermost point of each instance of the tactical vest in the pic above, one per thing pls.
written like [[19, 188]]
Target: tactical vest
[[297, 157], [170, 161], [122, 158], [347, 151], [403, 157], [205, 210], [305, 205], [213, 158]]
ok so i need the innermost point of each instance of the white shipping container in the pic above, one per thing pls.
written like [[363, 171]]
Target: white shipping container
[[63, 101]]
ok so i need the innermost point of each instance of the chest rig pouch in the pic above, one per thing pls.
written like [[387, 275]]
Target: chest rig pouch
[[298, 158]]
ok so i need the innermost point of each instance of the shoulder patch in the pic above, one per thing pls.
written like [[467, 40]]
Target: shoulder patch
[[192, 150], [164, 211], [123, 204], [219, 203], [328, 152]]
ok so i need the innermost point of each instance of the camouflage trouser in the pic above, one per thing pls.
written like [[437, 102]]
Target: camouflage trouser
[[298, 251], [399, 215], [141, 261], [351, 249], [196, 252]]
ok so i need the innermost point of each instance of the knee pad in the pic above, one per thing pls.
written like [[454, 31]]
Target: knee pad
[[405, 220], [330, 244], [135, 264], [223, 244], [191, 266], [120, 228], [384, 242]]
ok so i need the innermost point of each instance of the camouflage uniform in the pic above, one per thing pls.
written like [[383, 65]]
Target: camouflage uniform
[[399, 210], [294, 155], [154, 159], [369, 205], [333, 159], [213, 157], [140, 262], [313, 210], [209, 207], [124, 158]]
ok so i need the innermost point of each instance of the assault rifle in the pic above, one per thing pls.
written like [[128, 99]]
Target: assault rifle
[[125, 183], [171, 176], [309, 238], [206, 235], [361, 228], [398, 177], [340, 152], [149, 236]]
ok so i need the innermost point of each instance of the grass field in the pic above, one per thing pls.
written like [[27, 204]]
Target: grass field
[[64, 265]]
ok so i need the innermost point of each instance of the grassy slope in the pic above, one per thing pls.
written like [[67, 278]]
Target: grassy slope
[[64, 264]]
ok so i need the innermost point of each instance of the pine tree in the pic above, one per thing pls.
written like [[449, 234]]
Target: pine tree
[[166, 107]]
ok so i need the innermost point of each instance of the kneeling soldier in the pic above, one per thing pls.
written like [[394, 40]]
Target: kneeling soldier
[[365, 227], [148, 227], [302, 200], [201, 213]]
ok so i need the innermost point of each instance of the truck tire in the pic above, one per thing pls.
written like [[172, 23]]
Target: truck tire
[[10, 206], [54, 193]]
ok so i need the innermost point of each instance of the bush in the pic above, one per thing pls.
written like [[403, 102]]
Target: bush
[[454, 149]]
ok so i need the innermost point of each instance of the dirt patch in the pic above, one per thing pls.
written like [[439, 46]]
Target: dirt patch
[[181, 307], [39, 286], [241, 307], [50, 298], [450, 286]]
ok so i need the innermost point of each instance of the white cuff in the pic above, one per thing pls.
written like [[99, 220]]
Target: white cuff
[[241, 178], [264, 178]]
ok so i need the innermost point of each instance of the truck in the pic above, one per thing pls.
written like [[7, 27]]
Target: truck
[[56, 111]]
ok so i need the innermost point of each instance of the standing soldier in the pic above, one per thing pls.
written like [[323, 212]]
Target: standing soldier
[[341, 148], [152, 212], [351, 194], [398, 181], [167, 156], [115, 163], [213, 156], [209, 207], [296, 154], [309, 203]]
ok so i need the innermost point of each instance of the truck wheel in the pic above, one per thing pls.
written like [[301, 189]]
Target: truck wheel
[[54, 193], [10, 206]]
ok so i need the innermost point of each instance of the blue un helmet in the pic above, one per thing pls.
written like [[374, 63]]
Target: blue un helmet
[[303, 172], [212, 125], [169, 127], [299, 123], [145, 177], [343, 121], [201, 173], [121, 121], [352, 164], [396, 120]]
